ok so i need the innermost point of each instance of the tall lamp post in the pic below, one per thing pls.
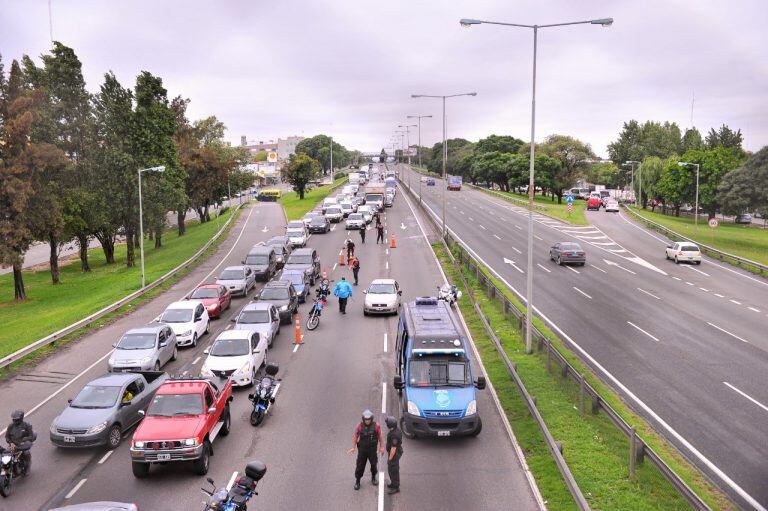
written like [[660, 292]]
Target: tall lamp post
[[605, 22], [445, 148], [696, 211], [419, 117], [632, 164], [401, 134], [407, 138], [161, 168]]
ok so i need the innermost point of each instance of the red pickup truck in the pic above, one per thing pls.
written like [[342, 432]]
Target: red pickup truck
[[182, 421]]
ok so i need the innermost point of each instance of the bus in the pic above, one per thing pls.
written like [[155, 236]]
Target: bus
[[454, 183], [270, 195]]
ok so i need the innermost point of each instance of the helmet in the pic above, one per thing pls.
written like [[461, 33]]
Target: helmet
[[367, 415], [391, 422], [17, 416]]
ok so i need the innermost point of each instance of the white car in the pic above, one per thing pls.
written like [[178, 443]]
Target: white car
[[297, 235], [382, 297], [367, 212], [334, 214], [611, 205], [347, 208], [329, 201], [238, 279], [683, 251], [237, 354], [188, 319], [355, 221]]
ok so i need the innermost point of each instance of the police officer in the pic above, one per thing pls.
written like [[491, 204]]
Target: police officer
[[20, 435], [367, 436], [394, 453]]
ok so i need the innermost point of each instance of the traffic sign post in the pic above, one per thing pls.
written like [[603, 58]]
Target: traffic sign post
[[713, 223], [569, 199], [570, 208]]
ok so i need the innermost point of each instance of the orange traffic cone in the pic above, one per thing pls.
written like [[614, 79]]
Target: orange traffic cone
[[325, 274], [342, 261], [392, 242], [298, 330]]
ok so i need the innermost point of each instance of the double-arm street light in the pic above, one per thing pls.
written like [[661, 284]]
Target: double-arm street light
[[529, 288], [632, 164], [141, 220], [407, 138], [696, 211], [419, 117], [401, 134], [445, 148]]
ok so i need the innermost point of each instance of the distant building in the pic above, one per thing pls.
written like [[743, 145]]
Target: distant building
[[258, 147], [284, 147], [287, 146]]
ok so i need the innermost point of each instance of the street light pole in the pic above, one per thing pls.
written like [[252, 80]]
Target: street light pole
[[407, 138], [632, 164], [419, 117], [141, 221], [445, 148], [696, 211], [529, 287]]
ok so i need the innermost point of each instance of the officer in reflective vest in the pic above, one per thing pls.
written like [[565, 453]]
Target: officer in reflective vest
[[366, 439]]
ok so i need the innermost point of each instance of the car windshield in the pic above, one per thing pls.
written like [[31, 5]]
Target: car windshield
[[231, 275], [300, 259], [689, 248], [137, 342], [96, 396], [274, 293], [230, 348], [168, 405], [346, 206], [253, 317], [317, 221], [295, 232], [310, 216], [204, 292], [334, 210], [256, 259], [297, 279], [429, 373], [356, 216], [381, 289], [177, 316], [295, 225], [570, 246]]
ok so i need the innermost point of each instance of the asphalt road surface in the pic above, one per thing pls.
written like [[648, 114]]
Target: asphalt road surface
[[686, 345], [343, 367]]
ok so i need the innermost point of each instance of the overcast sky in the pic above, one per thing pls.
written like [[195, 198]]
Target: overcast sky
[[348, 68]]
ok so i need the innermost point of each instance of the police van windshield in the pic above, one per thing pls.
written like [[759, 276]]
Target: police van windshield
[[438, 372]]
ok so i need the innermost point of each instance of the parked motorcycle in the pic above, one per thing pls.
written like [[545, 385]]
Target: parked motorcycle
[[264, 396], [237, 497], [448, 293], [12, 466], [321, 295]]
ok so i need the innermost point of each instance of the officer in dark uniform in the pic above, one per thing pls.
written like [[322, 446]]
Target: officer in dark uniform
[[366, 438], [394, 453]]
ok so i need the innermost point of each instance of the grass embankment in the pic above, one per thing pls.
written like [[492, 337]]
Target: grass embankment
[[737, 239], [596, 452], [50, 308], [296, 208]]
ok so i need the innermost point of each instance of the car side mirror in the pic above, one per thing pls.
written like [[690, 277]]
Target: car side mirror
[[142, 413], [69, 401], [210, 480], [211, 410], [198, 319], [480, 382], [233, 320], [365, 292], [114, 345], [163, 344], [256, 350], [398, 382], [250, 396], [206, 351], [242, 262], [669, 246], [399, 292]]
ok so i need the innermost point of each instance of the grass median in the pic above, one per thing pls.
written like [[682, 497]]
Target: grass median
[[295, 208], [596, 452], [745, 241], [50, 308]]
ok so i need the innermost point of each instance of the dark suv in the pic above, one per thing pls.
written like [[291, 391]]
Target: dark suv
[[282, 295], [263, 261], [305, 259], [283, 248]]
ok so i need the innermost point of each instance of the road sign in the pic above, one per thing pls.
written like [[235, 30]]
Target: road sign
[[272, 157], [713, 222], [569, 199]]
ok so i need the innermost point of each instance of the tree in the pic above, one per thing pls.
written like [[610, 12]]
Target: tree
[[500, 143], [746, 188], [650, 173], [435, 161], [724, 137], [491, 167], [652, 138], [604, 173], [692, 140], [573, 155], [319, 148], [300, 171], [628, 147]]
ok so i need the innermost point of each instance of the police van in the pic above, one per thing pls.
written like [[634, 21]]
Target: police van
[[433, 372]]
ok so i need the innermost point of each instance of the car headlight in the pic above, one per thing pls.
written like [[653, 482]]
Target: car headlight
[[212, 306], [205, 372], [245, 368], [111, 360], [471, 408], [413, 409], [145, 360], [186, 333], [284, 308], [98, 428], [138, 445], [53, 425], [190, 442]]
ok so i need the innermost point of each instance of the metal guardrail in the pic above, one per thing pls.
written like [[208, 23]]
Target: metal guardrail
[[705, 248], [639, 450], [49, 339]]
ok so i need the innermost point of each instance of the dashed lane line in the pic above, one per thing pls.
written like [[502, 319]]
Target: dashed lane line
[[649, 294], [753, 309], [496, 236], [727, 332], [734, 301], [744, 394], [574, 270], [582, 292], [74, 490], [640, 329], [597, 268], [482, 227], [543, 268]]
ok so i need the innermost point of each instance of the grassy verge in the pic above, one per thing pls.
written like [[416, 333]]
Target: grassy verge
[[296, 208], [50, 308], [592, 470], [740, 240]]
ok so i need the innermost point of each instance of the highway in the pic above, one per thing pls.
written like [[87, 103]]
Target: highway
[[684, 345], [343, 367]]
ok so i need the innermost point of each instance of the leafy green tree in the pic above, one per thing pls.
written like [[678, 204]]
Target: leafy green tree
[[628, 147], [492, 167], [746, 188], [573, 155], [724, 137], [500, 143], [435, 161], [260, 156], [650, 173], [319, 148], [300, 171], [604, 173], [692, 140], [636, 141]]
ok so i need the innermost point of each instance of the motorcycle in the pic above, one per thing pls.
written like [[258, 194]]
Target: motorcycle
[[264, 397], [313, 318], [448, 293], [237, 497], [12, 466]]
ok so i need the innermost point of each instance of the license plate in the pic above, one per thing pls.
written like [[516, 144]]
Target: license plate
[[443, 433], [163, 457], [70, 439]]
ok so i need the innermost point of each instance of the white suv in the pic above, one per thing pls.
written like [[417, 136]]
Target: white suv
[[683, 251]]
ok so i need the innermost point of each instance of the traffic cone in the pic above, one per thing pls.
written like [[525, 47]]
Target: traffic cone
[[325, 274], [298, 329], [342, 260], [392, 242]]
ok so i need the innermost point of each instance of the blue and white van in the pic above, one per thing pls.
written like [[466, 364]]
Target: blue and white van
[[433, 372]]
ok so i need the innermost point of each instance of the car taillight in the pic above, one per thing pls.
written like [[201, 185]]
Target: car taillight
[[565, 253], [679, 253]]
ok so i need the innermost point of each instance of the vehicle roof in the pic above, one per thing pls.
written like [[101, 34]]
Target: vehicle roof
[[261, 249], [256, 306], [312, 214], [241, 268], [303, 251], [208, 286], [687, 244], [151, 328], [382, 281], [186, 304], [113, 379], [318, 219], [278, 283], [183, 386], [277, 239], [290, 271], [233, 334], [433, 322]]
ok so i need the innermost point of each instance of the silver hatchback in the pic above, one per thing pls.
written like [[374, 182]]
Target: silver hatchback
[[146, 348]]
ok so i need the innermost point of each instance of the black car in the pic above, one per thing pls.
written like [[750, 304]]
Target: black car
[[283, 296], [319, 224], [307, 260], [262, 260], [283, 248]]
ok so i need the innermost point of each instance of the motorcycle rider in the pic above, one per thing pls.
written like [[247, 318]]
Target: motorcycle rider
[[20, 435], [367, 436]]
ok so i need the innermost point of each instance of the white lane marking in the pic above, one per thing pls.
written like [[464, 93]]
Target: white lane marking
[[383, 397], [704, 289], [677, 278], [277, 387], [597, 268], [611, 263], [695, 269], [385, 342], [516, 250], [719, 295], [734, 301], [461, 211], [689, 283], [74, 490], [495, 236], [482, 227], [753, 309], [334, 266], [234, 245], [646, 333], [511, 262], [333, 227], [471, 219], [538, 238], [381, 491], [727, 332], [296, 348], [518, 227], [195, 361], [758, 403], [582, 292], [232, 480], [105, 457], [572, 269], [543, 268], [649, 294], [386, 251], [386, 265]]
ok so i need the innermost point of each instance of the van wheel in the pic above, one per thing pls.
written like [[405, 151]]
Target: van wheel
[[408, 434], [479, 427], [201, 465], [140, 470]]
